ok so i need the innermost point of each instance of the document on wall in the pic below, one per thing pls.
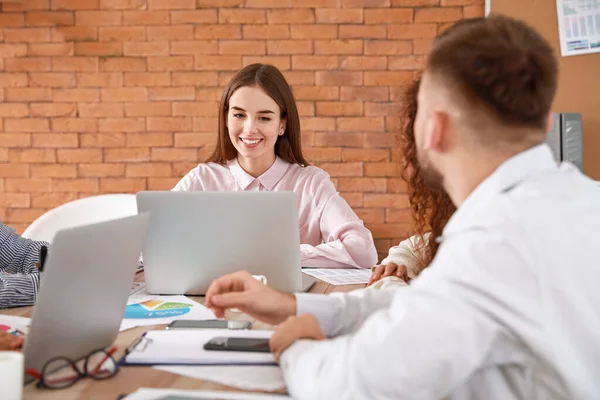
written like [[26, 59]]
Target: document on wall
[[578, 26], [180, 394], [340, 276]]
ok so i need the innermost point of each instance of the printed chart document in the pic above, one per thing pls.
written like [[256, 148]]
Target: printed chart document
[[14, 325], [340, 276], [179, 394], [578, 26], [253, 377], [144, 309]]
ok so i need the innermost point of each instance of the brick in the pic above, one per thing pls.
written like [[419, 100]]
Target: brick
[[315, 3], [299, 78], [388, 169], [353, 199], [171, 93], [207, 16], [98, 49], [385, 200], [345, 169], [339, 16], [242, 47], [57, 140], [147, 109], [192, 47], [90, 140], [242, 16], [31, 155], [75, 4], [26, 125], [90, 170], [50, 49], [220, 3], [407, 63], [316, 93], [362, 63], [99, 79], [422, 46], [129, 124], [200, 109], [130, 154], [371, 215], [365, 185], [51, 79], [415, 3], [280, 62], [13, 79], [125, 94], [75, 185], [52, 109], [75, 64], [8, 20], [13, 50], [74, 156], [208, 62], [290, 47], [411, 31], [229, 31], [74, 124], [49, 18], [146, 18], [15, 139], [123, 64], [162, 183], [195, 140], [181, 169], [438, 14], [339, 47], [397, 185], [74, 34], [291, 16], [193, 78], [78, 94], [305, 108], [339, 78], [204, 124], [268, 3], [360, 124], [388, 47], [388, 230], [363, 32], [365, 155], [401, 215], [13, 110], [172, 63], [209, 93], [172, 4], [122, 185], [14, 200], [171, 124], [337, 109], [149, 170], [379, 140], [318, 124], [314, 31], [266, 31], [27, 64], [170, 32], [53, 171], [320, 154], [123, 4], [8, 170], [27, 35], [28, 94], [150, 139], [122, 34], [388, 16], [446, 3], [387, 78], [365, 3], [172, 154], [147, 79], [473, 11], [98, 18], [314, 62], [51, 200], [341, 139]]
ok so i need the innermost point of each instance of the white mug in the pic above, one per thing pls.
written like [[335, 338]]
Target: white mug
[[261, 278], [11, 375]]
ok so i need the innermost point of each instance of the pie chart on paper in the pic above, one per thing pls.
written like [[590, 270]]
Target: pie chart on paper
[[156, 309]]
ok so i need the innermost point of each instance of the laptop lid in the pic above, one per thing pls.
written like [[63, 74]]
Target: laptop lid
[[84, 289], [196, 237]]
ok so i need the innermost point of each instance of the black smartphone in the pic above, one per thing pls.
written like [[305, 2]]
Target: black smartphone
[[238, 344], [208, 324]]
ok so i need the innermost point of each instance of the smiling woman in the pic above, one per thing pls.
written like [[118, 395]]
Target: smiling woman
[[258, 148]]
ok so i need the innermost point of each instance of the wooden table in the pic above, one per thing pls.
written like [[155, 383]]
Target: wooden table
[[131, 378]]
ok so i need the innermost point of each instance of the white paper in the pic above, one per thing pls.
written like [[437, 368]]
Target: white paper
[[268, 378], [185, 347], [156, 310], [13, 324], [157, 394], [340, 276], [578, 26]]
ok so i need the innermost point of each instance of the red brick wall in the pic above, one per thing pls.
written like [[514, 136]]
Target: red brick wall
[[100, 96]]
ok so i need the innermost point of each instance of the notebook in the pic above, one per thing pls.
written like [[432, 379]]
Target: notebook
[[186, 347]]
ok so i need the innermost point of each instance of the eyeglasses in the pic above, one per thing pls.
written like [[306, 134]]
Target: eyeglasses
[[62, 372]]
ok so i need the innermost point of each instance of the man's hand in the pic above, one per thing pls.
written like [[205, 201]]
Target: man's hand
[[240, 290], [305, 326], [390, 269], [10, 342]]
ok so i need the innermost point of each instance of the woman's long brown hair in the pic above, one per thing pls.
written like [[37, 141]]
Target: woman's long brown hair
[[430, 209]]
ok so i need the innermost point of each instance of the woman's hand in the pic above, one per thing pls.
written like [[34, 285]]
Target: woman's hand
[[390, 269]]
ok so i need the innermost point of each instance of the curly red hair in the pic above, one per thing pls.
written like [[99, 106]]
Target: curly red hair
[[430, 209]]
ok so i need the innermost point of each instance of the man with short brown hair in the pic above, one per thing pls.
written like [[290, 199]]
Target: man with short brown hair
[[509, 308]]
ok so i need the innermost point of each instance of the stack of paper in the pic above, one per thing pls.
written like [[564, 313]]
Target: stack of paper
[[178, 394], [337, 276]]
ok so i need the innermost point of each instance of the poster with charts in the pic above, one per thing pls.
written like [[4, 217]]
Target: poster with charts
[[578, 26]]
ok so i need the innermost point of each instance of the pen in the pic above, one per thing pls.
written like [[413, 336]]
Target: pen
[[43, 253]]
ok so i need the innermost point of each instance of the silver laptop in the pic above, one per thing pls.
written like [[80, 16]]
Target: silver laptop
[[196, 237], [84, 289]]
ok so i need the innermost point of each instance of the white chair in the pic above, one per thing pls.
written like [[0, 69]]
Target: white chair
[[79, 212]]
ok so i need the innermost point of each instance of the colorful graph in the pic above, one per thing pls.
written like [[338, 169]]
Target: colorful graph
[[9, 329], [156, 309]]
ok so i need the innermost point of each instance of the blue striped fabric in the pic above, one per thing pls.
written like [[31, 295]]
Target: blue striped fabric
[[19, 277]]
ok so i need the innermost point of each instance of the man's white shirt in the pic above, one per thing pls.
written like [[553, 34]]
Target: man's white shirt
[[509, 308]]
